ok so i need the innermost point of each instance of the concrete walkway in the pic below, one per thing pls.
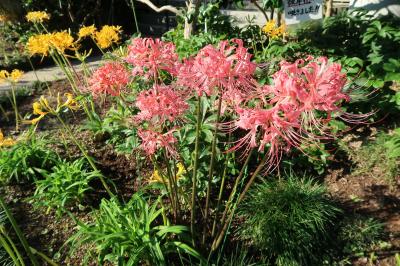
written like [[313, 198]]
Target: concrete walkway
[[48, 74]]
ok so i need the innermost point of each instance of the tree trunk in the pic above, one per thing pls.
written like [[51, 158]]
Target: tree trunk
[[328, 12], [192, 8]]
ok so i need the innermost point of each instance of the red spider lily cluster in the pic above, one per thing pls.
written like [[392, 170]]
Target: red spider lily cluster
[[295, 108], [110, 79]]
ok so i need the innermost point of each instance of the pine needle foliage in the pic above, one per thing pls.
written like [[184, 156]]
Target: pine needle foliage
[[288, 220]]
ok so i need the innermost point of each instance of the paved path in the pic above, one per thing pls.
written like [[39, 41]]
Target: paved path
[[49, 74]]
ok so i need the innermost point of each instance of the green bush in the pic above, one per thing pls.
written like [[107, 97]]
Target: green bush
[[129, 235], [288, 220], [23, 161], [64, 186]]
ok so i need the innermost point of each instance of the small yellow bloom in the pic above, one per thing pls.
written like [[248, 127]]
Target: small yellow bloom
[[272, 31], [87, 31], [39, 44], [62, 41], [70, 103], [6, 142], [4, 18], [157, 178], [107, 36], [37, 109], [37, 16], [3, 75], [15, 75]]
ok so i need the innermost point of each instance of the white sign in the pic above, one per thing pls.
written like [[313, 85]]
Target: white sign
[[297, 11]]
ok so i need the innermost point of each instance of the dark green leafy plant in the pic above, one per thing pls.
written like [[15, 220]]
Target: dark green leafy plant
[[23, 161], [393, 145], [288, 220], [64, 186], [131, 234]]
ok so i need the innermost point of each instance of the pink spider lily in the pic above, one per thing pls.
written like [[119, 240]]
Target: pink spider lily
[[294, 110], [110, 78], [160, 104], [228, 66], [153, 141], [149, 56]]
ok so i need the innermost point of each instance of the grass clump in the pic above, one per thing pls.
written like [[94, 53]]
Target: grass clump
[[64, 186], [23, 161], [379, 157], [288, 220]]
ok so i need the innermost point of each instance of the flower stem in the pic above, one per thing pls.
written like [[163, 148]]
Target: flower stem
[[14, 98], [218, 240], [195, 167], [85, 154], [18, 232], [211, 170]]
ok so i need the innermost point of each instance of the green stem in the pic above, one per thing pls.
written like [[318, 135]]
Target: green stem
[[15, 106], [237, 181], [218, 240], [85, 154], [221, 189], [195, 167], [174, 189], [211, 170], [134, 16], [9, 250], [44, 257], [18, 232], [16, 251]]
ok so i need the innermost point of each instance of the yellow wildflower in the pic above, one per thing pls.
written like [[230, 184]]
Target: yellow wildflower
[[157, 178], [87, 31], [39, 44], [107, 36], [3, 18], [15, 75], [272, 31], [62, 41], [5, 142], [37, 16], [70, 103], [42, 107], [3, 75]]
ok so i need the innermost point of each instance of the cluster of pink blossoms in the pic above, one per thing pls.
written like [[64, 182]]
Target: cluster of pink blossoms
[[296, 108], [110, 78], [159, 104], [152, 141], [149, 56], [212, 70], [285, 112]]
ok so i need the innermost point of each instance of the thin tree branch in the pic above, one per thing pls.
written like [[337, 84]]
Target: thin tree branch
[[260, 8], [162, 8]]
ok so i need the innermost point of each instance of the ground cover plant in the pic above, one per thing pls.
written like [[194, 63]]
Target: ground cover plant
[[179, 151]]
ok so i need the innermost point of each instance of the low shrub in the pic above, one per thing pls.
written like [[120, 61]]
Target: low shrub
[[129, 234], [288, 220], [64, 186], [23, 161]]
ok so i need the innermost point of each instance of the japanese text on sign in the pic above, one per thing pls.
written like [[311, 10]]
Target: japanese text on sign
[[301, 10]]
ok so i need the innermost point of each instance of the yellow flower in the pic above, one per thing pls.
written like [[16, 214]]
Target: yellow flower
[[37, 16], [272, 31], [87, 31], [107, 36], [157, 178], [15, 75], [62, 41], [39, 44], [5, 142], [37, 109], [3, 75], [3, 18], [70, 103]]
